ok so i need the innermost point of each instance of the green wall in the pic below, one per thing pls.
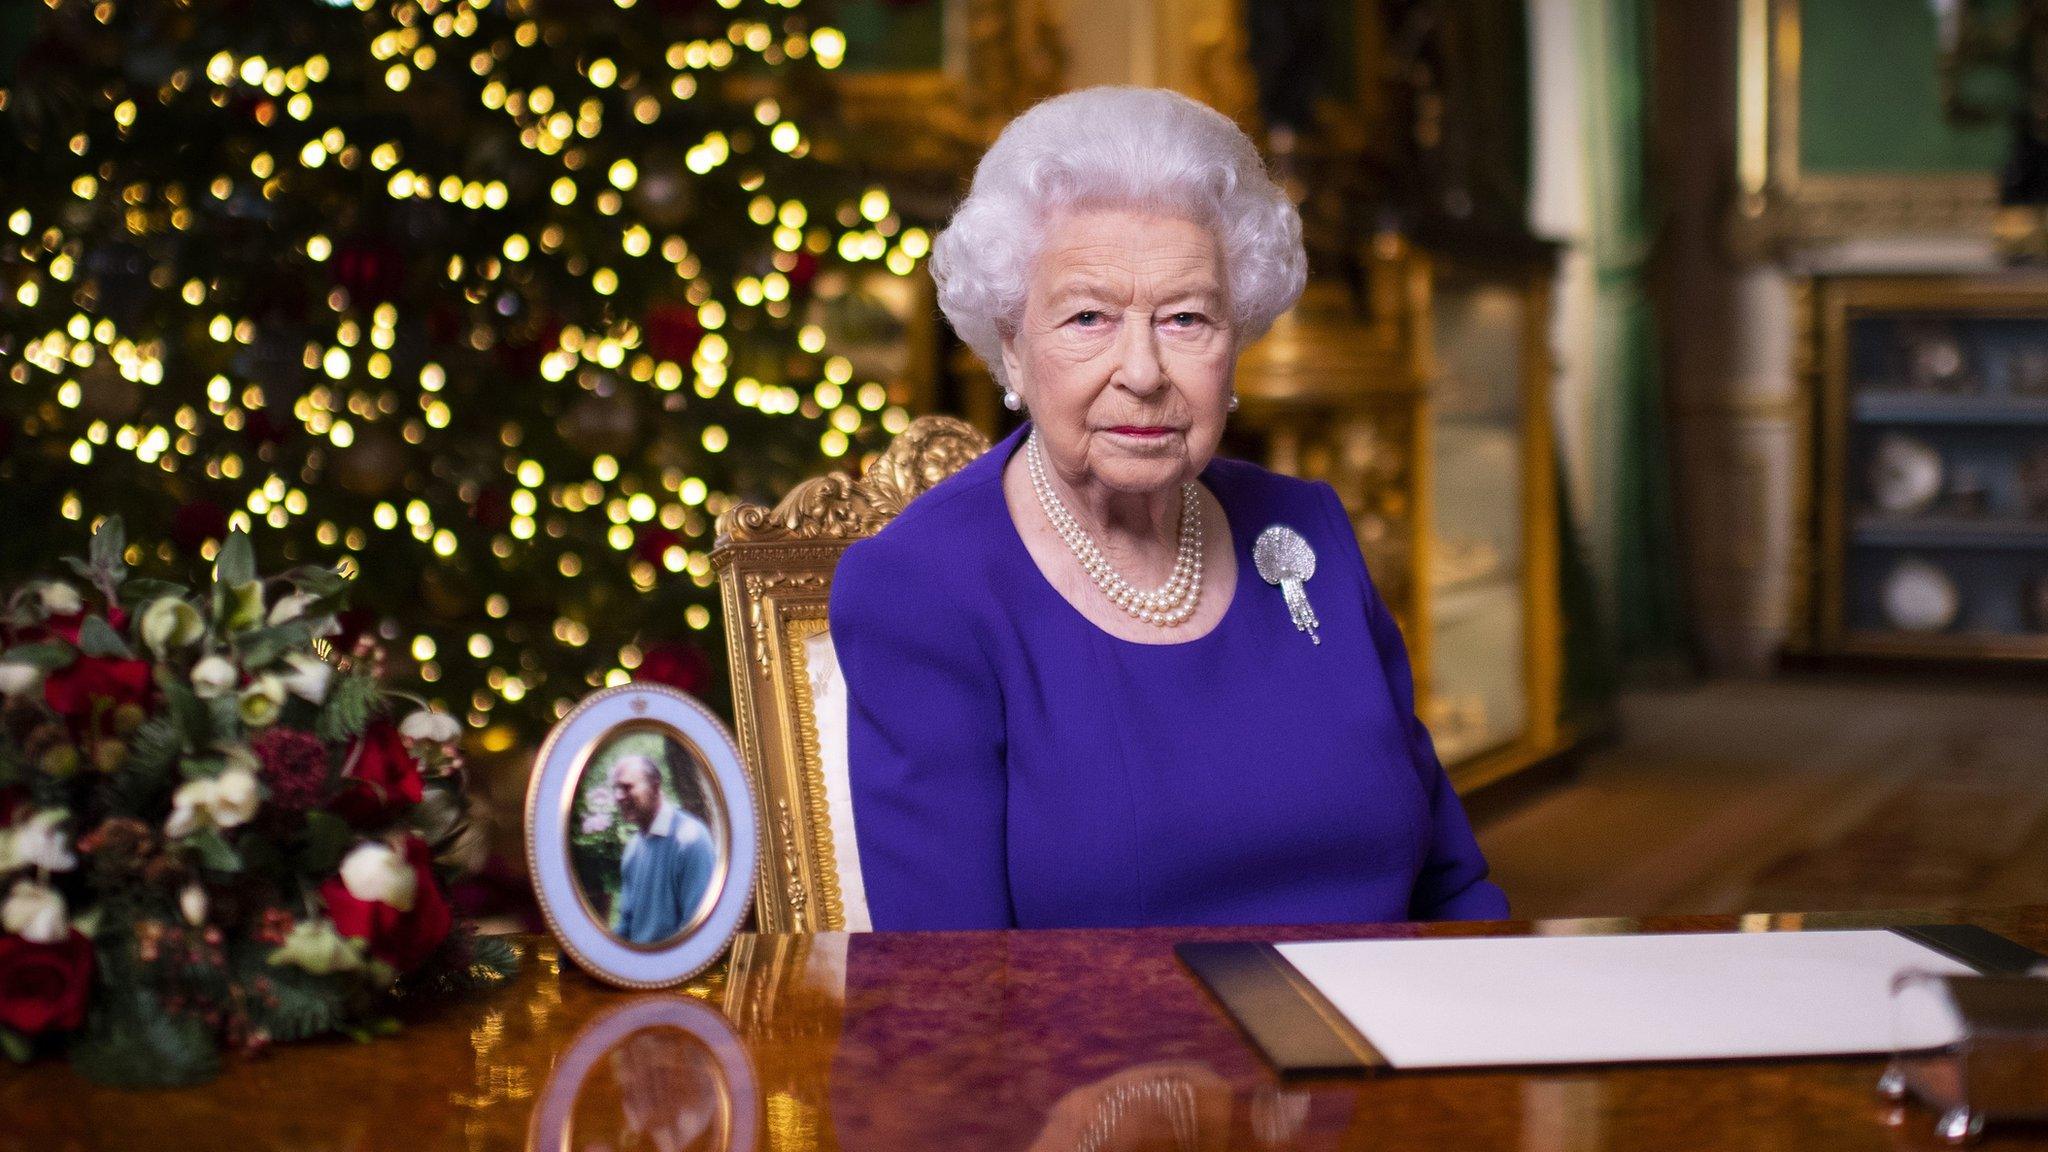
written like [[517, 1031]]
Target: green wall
[[1870, 98]]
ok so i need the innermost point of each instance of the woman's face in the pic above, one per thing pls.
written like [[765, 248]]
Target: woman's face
[[1125, 352]]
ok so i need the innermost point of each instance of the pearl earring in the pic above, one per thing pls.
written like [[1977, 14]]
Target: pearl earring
[[1233, 402], [1011, 400]]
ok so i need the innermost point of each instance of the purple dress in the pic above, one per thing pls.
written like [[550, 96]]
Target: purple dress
[[1014, 766]]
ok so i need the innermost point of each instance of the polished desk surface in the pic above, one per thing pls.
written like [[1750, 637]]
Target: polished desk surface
[[1068, 1041]]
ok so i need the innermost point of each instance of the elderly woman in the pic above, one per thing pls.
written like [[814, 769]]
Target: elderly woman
[[1073, 700]]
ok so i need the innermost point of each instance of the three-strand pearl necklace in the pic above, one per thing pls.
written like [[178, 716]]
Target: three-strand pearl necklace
[[1168, 605]]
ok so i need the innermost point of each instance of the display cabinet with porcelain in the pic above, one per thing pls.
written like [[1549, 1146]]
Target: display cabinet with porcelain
[[1423, 397], [1931, 493]]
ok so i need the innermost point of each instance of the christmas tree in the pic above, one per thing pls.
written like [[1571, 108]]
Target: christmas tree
[[497, 303]]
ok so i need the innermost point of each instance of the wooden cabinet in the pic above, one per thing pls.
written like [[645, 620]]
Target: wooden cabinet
[[1424, 399], [1930, 526]]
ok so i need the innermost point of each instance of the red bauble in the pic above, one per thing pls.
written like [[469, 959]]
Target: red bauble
[[673, 333], [370, 269], [651, 542], [677, 664], [198, 521], [492, 509], [803, 272]]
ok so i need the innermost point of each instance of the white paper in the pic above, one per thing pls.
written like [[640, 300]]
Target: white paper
[[1492, 1001]]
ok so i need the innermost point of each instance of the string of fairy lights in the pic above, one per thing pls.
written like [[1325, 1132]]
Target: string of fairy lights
[[366, 388]]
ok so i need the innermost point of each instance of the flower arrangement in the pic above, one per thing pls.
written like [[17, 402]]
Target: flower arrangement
[[210, 836]]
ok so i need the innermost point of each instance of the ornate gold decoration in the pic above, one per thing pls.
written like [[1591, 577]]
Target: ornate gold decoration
[[811, 754], [838, 507], [775, 578]]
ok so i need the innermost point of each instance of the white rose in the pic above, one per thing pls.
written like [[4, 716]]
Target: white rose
[[261, 701], [213, 676], [17, 678], [192, 904], [41, 844], [375, 871], [431, 726], [235, 798], [309, 677], [61, 599], [34, 912], [170, 623]]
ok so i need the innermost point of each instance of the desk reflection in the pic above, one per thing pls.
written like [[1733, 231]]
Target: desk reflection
[[660, 1072]]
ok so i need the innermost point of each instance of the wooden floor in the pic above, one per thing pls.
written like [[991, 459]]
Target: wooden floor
[[1793, 794]]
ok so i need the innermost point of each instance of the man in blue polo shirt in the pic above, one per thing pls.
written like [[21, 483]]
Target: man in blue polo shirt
[[667, 864]]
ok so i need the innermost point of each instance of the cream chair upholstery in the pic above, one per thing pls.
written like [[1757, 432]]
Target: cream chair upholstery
[[789, 701]]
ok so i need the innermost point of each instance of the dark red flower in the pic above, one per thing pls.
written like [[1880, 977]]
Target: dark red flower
[[677, 665], [400, 939], [383, 778], [89, 681], [43, 986], [294, 767]]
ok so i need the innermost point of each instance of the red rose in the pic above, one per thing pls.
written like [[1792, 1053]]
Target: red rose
[[383, 779], [401, 939], [43, 986], [72, 690]]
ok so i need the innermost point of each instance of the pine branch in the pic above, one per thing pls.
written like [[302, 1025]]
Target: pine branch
[[351, 701]]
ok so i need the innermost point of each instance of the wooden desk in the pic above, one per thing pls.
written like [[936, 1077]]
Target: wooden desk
[[1044, 1040]]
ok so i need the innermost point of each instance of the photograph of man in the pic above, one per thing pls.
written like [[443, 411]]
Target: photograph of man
[[668, 862]]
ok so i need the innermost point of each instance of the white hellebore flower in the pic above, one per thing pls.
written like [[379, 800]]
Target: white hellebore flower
[[34, 912], [261, 701], [375, 871], [61, 599], [236, 796], [213, 676], [224, 801], [170, 623], [192, 904], [432, 726], [41, 844], [17, 678], [309, 677], [289, 608]]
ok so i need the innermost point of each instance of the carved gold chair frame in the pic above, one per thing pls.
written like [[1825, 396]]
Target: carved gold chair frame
[[775, 577]]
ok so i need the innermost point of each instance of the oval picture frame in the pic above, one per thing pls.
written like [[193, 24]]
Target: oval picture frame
[[641, 835]]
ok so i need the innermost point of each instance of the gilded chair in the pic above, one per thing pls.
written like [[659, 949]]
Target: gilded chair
[[789, 703]]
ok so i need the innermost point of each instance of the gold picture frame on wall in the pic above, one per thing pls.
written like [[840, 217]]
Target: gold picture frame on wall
[[1783, 204]]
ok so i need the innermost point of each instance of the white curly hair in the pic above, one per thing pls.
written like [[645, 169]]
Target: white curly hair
[[1122, 147]]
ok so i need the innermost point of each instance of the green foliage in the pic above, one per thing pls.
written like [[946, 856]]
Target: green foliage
[[352, 700], [143, 786], [292, 1004], [131, 1042], [48, 656], [96, 637], [326, 840], [214, 852], [236, 563]]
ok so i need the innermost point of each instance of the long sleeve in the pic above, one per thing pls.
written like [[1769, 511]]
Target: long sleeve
[[925, 746], [1452, 884]]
